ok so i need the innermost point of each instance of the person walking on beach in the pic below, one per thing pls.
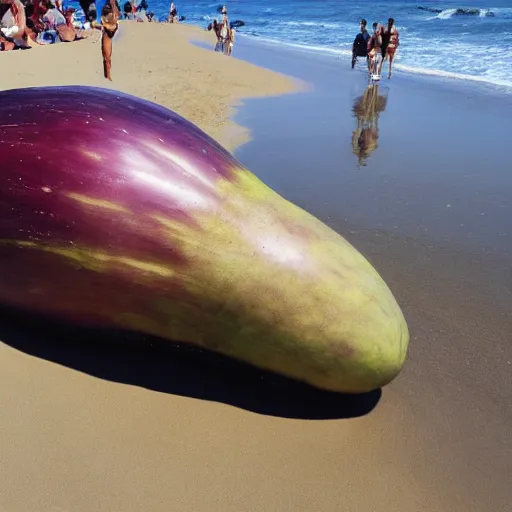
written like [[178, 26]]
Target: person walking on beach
[[224, 36], [173, 13], [109, 26], [232, 35], [360, 44], [390, 43], [375, 52], [89, 8]]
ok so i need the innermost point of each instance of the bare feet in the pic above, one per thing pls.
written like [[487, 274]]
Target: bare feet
[[6, 46]]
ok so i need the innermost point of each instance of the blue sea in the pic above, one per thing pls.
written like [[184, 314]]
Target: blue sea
[[468, 39]]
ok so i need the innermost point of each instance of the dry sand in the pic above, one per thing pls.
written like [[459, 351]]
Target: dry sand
[[155, 62], [71, 442], [87, 428]]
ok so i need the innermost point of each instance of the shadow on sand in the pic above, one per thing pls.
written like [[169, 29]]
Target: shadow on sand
[[178, 369]]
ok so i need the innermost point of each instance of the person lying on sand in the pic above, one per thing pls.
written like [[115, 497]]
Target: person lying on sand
[[109, 26], [390, 43]]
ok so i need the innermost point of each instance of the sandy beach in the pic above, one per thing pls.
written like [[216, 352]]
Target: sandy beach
[[92, 422], [155, 62]]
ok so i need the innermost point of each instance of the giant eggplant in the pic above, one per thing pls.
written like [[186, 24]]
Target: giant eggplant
[[118, 213]]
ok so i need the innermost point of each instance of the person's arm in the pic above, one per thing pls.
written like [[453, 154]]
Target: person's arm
[[18, 12], [115, 10]]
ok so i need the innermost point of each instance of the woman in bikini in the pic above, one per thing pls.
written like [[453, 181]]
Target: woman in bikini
[[375, 52], [109, 26], [391, 43], [232, 35], [173, 13]]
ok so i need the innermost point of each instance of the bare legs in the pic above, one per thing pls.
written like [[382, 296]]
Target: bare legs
[[390, 57], [106, 50]]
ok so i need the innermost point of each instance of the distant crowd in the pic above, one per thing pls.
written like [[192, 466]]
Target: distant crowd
[[27, 22], [38, 21], [377, 48]]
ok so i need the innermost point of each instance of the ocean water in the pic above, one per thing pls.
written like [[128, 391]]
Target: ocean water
[[468, 39]]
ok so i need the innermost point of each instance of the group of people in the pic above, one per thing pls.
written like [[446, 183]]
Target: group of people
[[27, 22], [131, 10], [377, 48], [224, 33], [23, 22]]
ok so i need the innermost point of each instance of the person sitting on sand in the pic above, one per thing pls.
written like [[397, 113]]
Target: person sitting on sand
[[13, 23], [34, 13], [109, 26], [127, 11], [375, 52], [360, 45], [173, 14], [390, 43], [52, 17], [55, 19], [72, 33]]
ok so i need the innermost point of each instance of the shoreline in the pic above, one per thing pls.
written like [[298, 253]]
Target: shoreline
[[405, 70], [145, 65], [88, 428], [430, 210]]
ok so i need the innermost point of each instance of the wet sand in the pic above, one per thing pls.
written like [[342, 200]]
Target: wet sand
[[87, 426], [431, 210]]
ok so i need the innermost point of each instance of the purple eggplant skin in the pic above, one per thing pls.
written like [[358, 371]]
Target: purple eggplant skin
[[116, 212]]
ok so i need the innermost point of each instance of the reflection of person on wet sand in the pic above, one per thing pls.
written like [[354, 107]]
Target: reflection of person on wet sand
[[367, 109]]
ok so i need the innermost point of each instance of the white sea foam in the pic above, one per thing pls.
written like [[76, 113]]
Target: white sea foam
[[421, 68], [446, 14]]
